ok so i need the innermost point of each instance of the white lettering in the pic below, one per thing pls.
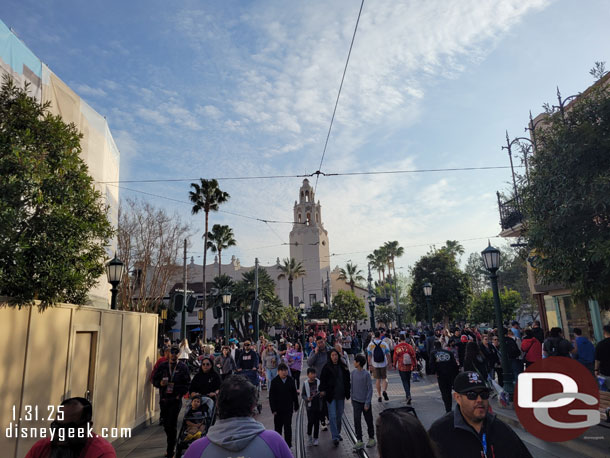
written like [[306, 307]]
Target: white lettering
[[593, 415], [526, 390]]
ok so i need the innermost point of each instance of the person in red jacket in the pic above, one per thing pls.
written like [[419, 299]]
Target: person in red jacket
[[405, 361], [531, 348]]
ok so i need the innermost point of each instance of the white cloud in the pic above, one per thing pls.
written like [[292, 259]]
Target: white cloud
[[84, 89]]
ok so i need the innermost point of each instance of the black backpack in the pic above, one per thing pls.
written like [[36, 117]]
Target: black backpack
[[378, 355]]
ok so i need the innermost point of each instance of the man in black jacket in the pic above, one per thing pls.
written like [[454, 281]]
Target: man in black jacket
[[172, 378], [470, 430], [444, 365], [283, 398]]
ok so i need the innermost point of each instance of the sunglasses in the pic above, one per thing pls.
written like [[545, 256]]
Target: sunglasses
[[473, 395], [206, 364]]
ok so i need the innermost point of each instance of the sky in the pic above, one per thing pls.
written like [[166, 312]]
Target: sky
[[226, 89]]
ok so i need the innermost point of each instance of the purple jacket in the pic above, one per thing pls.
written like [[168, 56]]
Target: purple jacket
[[239, 436]]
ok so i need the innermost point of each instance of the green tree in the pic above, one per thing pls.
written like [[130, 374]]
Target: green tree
[[206, 196], [53, 222], [318, 310], [482, 308], [273, 313], [291, 270], [219, 238], [347, 308], [290, 317], [450, 286], [385, 314], [478, 275], [567, 197], [377, 261], [351, 274], [243, 296], [394, 250]]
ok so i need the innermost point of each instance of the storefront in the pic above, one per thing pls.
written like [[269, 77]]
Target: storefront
[[562, 310]]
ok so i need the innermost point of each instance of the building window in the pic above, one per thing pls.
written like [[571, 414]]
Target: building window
[[317, 218], [312, 299], [299, 217], [306, 196], [308, 218], [296, 301]]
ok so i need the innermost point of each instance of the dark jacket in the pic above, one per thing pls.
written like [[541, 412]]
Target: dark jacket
[[478, 364], [283, 397], [538, 334], [557, 346], [328, 380], [180, 379], [442, 362], [226, 364], [455, 438], [205, 382]]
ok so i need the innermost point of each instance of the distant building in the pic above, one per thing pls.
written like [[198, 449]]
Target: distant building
[[99, 151]]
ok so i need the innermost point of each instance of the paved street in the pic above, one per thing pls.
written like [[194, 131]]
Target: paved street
[[149, 442]]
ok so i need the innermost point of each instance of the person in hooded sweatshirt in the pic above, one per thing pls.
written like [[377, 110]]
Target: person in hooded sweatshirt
[[236, 433]]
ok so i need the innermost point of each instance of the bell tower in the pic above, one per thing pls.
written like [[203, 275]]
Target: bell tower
[[309, 246]]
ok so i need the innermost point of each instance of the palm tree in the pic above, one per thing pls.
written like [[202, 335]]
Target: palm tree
[[378, 263], [291, 270], [394, 250], [220, 238], [206, 197], [351, 274]]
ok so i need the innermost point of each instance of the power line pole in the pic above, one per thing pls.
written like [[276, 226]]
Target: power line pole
[[256, 302], [185, 288]]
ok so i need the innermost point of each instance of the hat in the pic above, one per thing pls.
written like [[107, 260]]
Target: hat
[[468, 381], [233, 341], [464, 338]]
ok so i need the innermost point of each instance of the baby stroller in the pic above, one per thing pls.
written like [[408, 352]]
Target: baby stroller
[[206, 415]]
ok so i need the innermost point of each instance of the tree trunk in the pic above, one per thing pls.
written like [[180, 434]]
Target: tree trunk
[[219, 261], [351, 285], [290, 292], [205, 258]]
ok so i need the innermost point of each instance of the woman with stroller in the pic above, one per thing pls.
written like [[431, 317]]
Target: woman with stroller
[[225, 363], [206, 381]]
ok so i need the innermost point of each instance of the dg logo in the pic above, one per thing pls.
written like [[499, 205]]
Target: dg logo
[[557, 399]]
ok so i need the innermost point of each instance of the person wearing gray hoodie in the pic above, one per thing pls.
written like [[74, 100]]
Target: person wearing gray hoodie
[[236, 433]]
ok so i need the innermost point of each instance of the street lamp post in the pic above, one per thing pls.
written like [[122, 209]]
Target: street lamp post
[[428, 293], [114, 271], [371, 299], [491, 258], [302, 315], [226, 302], [200, 315]]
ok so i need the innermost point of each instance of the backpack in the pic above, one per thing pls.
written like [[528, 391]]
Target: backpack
[[406, 358], [378, 355]]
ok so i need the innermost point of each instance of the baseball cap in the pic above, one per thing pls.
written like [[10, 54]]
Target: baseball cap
[[468, 381]]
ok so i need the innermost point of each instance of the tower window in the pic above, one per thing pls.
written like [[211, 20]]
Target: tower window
[[308, 218], [306, 196], [317, 218], [299, 217]]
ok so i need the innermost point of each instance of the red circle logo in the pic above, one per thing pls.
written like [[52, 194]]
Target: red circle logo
[[557, 399]]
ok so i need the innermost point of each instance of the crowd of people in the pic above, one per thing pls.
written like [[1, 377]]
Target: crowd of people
[[330, 369]]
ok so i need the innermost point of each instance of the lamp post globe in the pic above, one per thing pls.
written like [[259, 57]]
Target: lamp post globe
[[114, 272], [491, 259], [226, 301]]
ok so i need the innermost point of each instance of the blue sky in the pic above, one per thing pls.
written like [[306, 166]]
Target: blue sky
[[222, 89]]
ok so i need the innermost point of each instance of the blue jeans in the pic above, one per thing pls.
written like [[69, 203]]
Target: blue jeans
[[335, 414], [405, 377], [271, 373]]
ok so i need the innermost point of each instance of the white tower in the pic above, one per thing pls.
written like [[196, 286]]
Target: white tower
[[309, 246]]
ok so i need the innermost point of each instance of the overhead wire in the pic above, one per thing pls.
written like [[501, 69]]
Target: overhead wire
[[330, 174], [332, 119]]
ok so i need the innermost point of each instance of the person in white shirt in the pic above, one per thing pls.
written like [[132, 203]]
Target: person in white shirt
[[379, 360]]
